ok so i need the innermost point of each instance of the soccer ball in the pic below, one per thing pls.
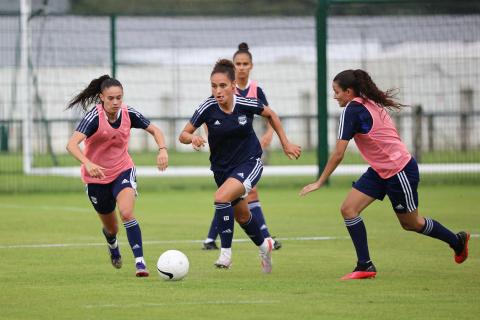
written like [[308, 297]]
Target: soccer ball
[[173, 265]]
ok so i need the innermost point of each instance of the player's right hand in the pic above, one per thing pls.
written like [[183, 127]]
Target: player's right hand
[[94, 170], [197, 142], [292, 151]]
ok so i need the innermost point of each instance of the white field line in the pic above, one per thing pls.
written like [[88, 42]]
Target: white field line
[[185, 303], [48, 208], [94, 244], [155, 242]]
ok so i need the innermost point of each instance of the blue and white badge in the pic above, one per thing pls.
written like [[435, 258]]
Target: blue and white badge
[[242, 120]]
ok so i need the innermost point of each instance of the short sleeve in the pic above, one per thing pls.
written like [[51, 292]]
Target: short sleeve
[[200, 114], [355, 118], [137, 120], [261, 96], [89, 124], [347, 124], [250, 105]]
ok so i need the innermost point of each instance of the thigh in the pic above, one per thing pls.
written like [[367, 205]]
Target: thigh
[[248, 174], [371, 184], [126, 203], [230, 190], [101, 197], [355, 202], [127, 179], [402, 189]]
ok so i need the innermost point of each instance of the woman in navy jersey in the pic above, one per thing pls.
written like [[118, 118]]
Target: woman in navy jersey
[[235, 157], [245, 87], [393, 171], [107, 168]]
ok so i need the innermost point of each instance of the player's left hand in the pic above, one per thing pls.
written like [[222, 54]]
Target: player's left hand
[[309, 188], [292, 151], [162, 160]]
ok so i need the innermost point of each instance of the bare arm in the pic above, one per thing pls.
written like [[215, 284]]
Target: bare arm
[[187, 137], [293, 151], [73, 148], [205, 129], [266, 139], [162, 157], [335, 158]]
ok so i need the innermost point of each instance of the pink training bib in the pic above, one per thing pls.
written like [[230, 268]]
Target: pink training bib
[[382, 147], [108, 148]]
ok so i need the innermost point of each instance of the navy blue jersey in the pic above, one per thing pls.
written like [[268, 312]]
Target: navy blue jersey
[[260, 94], [89, 124], [231, 137], [355, 118]]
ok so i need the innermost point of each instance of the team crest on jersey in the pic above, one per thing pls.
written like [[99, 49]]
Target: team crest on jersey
[[242, 120]]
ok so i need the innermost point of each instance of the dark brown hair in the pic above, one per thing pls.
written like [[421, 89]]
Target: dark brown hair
[[243, 48], [224, 66], [91, 94], [363, 86]]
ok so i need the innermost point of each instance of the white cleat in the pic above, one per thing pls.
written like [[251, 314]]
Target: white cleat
[[266, 255], [224, 260]]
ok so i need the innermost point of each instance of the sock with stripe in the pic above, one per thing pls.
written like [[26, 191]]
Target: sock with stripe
[[435, 230], [256, 210], [134, 235], [358, 233], [252, 229], [225, 223], [213, 231], [111, 239]]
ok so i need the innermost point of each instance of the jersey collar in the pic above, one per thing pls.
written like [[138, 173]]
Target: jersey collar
[[116, 116], [248, 85]]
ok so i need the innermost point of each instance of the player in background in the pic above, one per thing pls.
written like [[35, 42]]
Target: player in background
[[393, 171], [107, 168], [245, 87], [235, 157]]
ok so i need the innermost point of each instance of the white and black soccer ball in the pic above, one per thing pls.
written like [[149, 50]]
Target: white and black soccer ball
[[173, 265]]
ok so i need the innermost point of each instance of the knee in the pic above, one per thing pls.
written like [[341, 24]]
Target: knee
[[221, 197], [242, 217], [127, 215], [111, 229], [415, 225], [348, 212]]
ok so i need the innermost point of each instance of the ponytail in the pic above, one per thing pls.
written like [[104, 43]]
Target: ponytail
[[91, 94], [224, 66], [363, 86]]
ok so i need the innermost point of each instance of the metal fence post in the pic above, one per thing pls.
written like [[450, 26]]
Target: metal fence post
[[417, 132]]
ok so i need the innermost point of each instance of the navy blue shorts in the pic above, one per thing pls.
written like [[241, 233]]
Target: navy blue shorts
[[248, 173], [104, 196], [400, 188]]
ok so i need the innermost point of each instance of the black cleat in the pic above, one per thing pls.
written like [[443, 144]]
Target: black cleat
[[361, 271], [115, 257], [210, 246], [461, 253], [277, 245]]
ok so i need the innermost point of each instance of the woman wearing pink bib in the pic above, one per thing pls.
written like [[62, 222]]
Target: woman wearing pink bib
[[107, 168], [393, 171]]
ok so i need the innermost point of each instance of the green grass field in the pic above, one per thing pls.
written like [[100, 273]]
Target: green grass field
[[417, 277]]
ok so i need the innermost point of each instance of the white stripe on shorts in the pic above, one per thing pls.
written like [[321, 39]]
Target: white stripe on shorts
[[407, 190]]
